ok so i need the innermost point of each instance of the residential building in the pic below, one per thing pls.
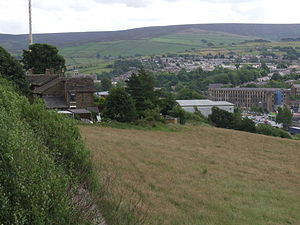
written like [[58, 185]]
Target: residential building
[[62, 93]]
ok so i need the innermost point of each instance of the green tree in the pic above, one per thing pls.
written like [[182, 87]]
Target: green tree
[[40, 57], [284, 116], [221, 118], [247, 125], [106, 84], [166, 103], [12, 70], [188, 94], [119, 106], [178, 112], [141, 88], [276, 76]]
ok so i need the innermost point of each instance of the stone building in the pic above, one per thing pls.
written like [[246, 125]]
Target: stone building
[[295, 90], [267, 98], [62, 93]]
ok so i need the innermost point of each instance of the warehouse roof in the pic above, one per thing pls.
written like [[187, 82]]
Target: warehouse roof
[[205, 102]]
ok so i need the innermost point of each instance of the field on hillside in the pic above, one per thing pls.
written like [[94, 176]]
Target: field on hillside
[[201, 175], [164, 44], [88, 65]]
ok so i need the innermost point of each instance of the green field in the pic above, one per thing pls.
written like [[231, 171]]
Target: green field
[[86, 57], [88, 65], [165, 44], [198, 175]]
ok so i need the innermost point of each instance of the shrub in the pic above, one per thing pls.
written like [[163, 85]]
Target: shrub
[[62, 137], [195, 117], [271, 131], [42, 160], [178, 112], [247, 125]]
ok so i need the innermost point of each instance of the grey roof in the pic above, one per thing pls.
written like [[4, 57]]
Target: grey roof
[[206, 102], [297, 86], [217, 85], [46, 86], [93, 109], [55, 103], [40, 79], [79, 111]]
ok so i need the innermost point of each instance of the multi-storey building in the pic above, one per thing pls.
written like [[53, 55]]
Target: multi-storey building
[[268, 98]]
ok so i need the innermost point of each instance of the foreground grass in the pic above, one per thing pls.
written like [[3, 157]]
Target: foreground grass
[[201, 175]]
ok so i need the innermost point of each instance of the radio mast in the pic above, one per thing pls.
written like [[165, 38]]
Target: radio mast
[[30, 40]]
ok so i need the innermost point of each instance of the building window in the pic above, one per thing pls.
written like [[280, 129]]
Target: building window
[[72, 97]]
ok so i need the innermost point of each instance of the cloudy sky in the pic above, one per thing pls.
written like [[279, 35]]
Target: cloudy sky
[[102, 15]]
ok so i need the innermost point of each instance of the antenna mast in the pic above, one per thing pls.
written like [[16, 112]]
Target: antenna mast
[[30, 24]]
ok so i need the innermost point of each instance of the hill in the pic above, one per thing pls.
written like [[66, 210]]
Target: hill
[[15, 43], [200, 175]]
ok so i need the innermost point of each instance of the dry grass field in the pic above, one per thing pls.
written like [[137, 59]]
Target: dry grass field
[[201, 175]]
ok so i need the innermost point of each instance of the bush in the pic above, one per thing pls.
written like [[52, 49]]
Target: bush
[[41, 157], [247, 125], [178, 112], [196, 117], [271, 131], [62, 137]]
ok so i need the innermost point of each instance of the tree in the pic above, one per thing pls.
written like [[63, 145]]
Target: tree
[[276, 76], [221, 118], [40, 57], [106, 84], [12, 70], [188, 94], [247, 125], [284, 116], [141, 88], [166, 103], [119, 106]]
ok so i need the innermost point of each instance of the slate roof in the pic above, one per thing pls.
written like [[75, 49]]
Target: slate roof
[[55, 103], [40, 79], [215, 86], [46, 86], [79, 111]]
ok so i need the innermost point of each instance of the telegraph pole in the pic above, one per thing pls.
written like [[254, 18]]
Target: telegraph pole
[[30, 40]]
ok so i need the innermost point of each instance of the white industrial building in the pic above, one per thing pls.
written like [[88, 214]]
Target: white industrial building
[[205, 106]]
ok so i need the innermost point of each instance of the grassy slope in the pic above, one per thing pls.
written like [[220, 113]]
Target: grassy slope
[[250, 179], [170, 43], [83, 55]]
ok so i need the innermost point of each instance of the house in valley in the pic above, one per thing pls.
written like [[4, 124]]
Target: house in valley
[[63, 93]]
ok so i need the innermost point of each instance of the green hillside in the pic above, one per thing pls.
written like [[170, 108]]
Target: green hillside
[[199, 175], [93, 47]]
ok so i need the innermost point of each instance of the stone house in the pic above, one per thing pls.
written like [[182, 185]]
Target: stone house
[[63, 93]]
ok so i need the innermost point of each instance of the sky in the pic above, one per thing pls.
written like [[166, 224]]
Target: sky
[[54, 16]]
